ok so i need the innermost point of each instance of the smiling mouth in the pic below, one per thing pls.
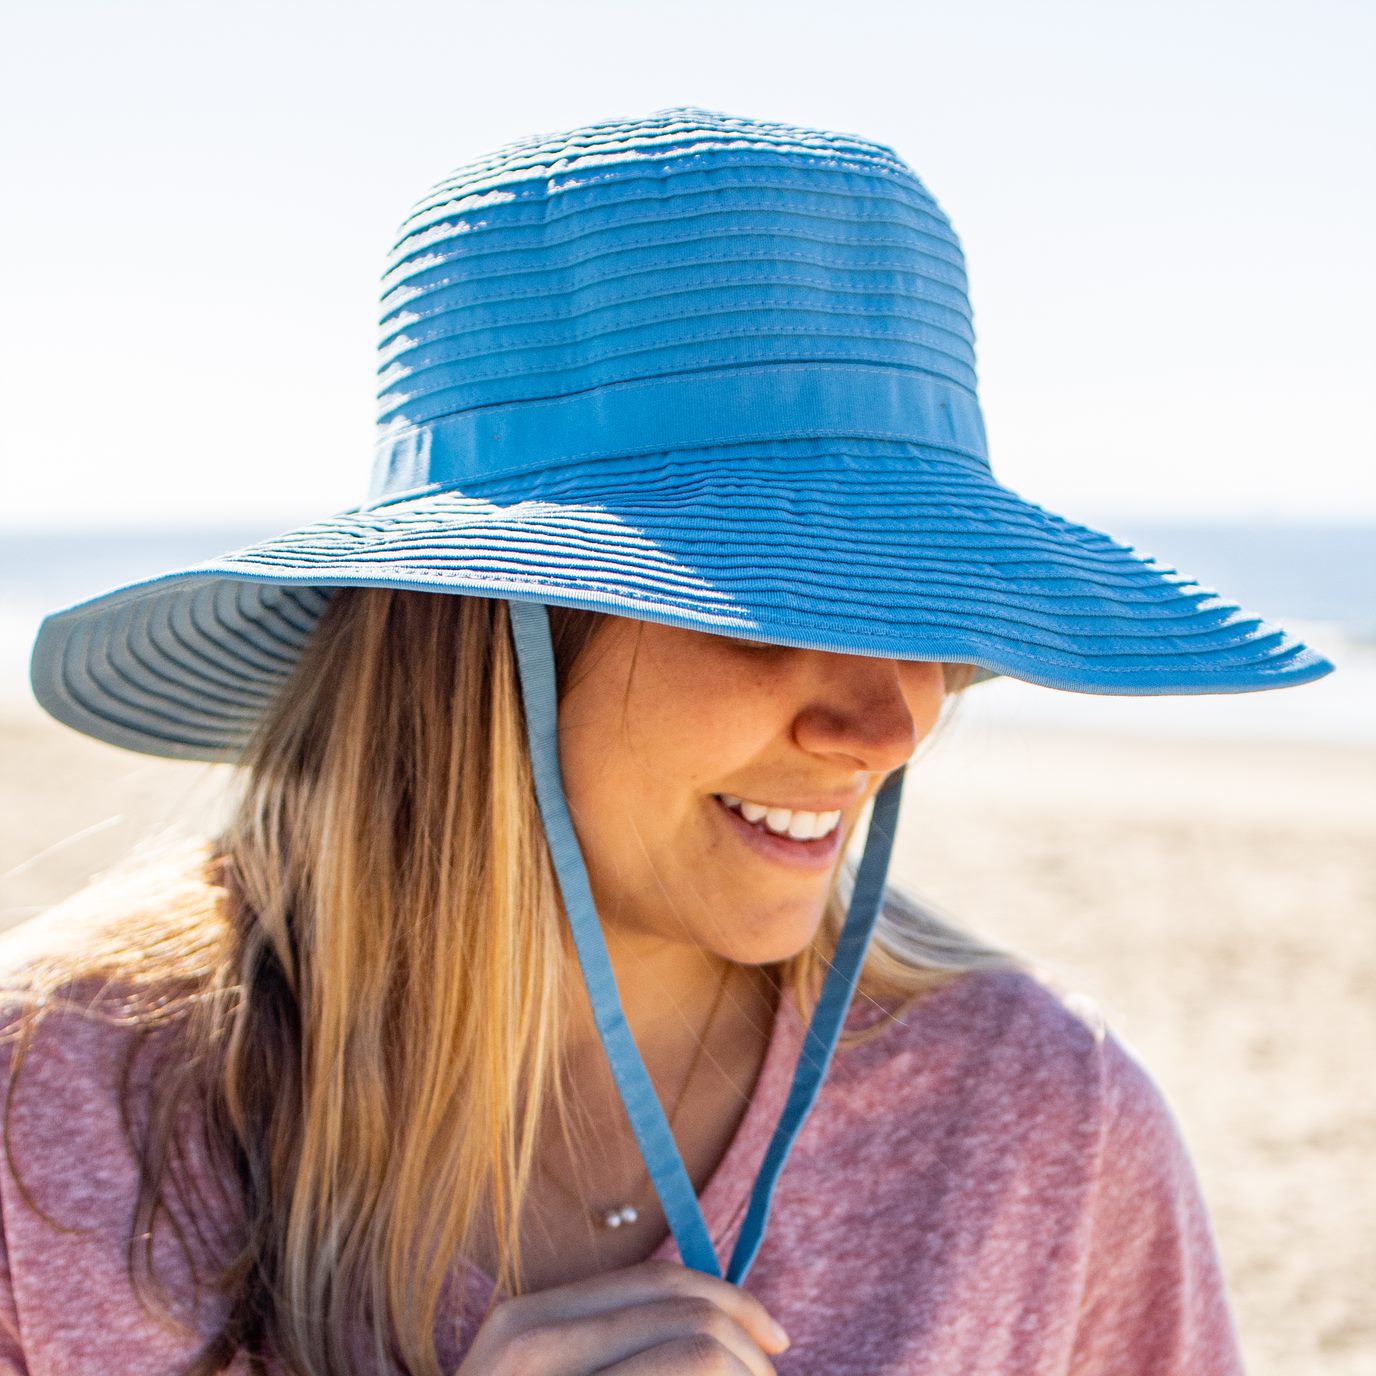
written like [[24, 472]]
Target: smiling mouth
[[811, 851], [785, 823]]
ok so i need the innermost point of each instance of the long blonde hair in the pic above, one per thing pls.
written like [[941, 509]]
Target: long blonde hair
[[365, 972]]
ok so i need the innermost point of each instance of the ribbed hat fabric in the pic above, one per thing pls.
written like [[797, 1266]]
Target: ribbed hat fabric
[[705, 370]]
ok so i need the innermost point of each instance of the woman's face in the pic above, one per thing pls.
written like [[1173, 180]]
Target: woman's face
[[672, 741]]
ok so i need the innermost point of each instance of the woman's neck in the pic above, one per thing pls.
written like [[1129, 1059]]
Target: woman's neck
[[667, 996], [600, 1162]]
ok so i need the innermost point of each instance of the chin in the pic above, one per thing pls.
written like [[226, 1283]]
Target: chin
[[779, 939]]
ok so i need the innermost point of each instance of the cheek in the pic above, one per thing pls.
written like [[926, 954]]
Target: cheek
[[695, 716], [643, 760], [679, 749]]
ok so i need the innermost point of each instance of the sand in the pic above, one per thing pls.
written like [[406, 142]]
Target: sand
[[1217, 899]]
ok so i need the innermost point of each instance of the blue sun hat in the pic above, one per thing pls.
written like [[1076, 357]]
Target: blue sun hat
[[697, 369]]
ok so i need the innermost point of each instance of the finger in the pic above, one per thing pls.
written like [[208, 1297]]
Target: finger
[[590, 1343], [650, 1280], [681, 1357]]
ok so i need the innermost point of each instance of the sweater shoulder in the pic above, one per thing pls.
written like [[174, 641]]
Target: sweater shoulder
[[1012, 1020], [997, 1053], [77, 1056]]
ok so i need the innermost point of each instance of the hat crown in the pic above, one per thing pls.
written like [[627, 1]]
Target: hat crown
[[687, 244]]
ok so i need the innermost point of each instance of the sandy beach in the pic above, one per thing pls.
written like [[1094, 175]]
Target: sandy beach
[[1216, 899]]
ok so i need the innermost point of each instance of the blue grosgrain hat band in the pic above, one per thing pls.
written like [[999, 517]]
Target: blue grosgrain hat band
[[691, 411]]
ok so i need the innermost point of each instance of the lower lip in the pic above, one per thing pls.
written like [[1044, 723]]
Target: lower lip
[[820, 854]]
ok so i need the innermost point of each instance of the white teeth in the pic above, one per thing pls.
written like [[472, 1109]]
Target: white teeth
[[826, 823], [782, 821]]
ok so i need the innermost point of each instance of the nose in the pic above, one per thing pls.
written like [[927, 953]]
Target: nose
[[862, 710]]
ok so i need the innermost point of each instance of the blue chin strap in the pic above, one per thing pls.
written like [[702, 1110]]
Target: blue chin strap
[[535, 657]]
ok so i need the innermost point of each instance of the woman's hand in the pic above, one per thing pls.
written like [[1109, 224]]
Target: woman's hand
[[653, 1319]]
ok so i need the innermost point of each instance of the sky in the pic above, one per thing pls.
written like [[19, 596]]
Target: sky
[[1166, 209]]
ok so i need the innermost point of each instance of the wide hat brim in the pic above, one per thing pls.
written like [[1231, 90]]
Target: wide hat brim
[[869, 548]]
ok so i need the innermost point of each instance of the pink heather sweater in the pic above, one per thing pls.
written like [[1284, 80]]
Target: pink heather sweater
[[988, 1187]]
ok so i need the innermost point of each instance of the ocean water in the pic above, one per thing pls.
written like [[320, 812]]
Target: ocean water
[[1319, 581]]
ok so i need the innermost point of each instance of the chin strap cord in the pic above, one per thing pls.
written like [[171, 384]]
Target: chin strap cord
[[814, 1058], [535, 660]]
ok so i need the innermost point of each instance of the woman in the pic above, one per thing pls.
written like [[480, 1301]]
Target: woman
[[681, 539]]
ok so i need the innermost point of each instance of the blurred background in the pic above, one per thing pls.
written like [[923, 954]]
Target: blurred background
[[1169, 245]]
